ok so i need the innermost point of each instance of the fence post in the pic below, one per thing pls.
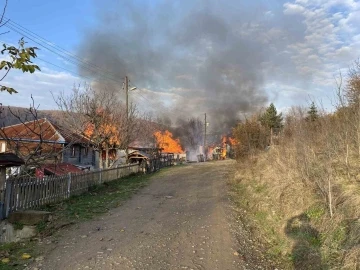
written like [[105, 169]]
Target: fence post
[[7, 199], [69, 185], [100, 176]]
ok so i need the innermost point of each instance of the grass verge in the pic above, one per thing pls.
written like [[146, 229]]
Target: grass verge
[[279, 214], [293, 220]]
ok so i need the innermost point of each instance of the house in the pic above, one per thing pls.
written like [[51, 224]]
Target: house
[[77, 149], [46, 143]]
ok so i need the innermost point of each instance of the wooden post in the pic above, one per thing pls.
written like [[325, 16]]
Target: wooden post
[[69, 185], [7, 206], [100, 176], [2, 183]]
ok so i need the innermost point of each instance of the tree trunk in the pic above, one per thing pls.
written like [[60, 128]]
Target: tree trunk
[[100, 161], [106, 156]]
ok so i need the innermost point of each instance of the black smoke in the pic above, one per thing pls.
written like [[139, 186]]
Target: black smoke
[[201, 51]]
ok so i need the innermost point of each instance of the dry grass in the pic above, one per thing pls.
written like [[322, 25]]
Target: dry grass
[[291, 214], [303, 195]]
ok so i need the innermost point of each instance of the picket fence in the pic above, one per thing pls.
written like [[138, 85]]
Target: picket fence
[[23, 193]]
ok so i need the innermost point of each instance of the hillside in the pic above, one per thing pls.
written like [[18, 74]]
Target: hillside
[[10, 115]]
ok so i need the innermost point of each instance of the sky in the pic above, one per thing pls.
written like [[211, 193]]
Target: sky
[[190, 55]]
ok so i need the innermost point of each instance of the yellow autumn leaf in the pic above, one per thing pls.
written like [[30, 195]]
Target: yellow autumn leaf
[[5, 260], [25, 256]]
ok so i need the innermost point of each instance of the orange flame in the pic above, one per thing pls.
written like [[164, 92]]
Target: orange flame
[[167, 142], [105, 131], [210, 151], [223, 151], [233, 141]]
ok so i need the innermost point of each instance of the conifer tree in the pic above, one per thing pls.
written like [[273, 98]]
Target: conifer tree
[[312, 114], [271, 119]]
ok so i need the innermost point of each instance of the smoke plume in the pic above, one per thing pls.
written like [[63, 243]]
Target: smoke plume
[[189, 56]]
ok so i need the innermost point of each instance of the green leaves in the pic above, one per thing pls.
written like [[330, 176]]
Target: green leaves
[[20, 58], [10, 90]]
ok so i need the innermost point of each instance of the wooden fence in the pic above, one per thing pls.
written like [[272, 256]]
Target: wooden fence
[[23, 193]]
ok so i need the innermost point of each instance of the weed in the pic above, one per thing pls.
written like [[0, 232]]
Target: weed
[[13, 253], [261, 216], [41, 226], [315, 212], [339, 234], [260, 188], [18, 225]]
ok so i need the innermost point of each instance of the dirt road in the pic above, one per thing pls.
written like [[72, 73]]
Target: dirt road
[[181, 220]]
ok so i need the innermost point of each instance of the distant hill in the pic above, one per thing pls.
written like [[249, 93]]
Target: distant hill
[[9, 115]]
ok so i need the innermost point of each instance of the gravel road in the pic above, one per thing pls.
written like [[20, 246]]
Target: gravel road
[[182, 220]]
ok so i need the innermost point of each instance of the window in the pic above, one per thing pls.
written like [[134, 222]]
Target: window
[[73, 151], [86, 151]]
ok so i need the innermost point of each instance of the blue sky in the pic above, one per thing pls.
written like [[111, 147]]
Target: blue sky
[[303, 46]]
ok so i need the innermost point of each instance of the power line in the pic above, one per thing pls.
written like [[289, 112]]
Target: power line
[[18, 26], [71, 58]]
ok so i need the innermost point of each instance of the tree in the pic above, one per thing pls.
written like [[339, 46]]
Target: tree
[[101, 117], [93, 114], [271, 119], [312, 113], [16, 58], [251, 136], [352, 89]]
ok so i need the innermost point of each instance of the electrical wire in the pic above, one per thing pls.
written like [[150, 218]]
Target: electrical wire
[[71, 58]]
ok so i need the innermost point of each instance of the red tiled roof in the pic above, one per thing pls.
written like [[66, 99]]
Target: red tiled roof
[[32, 130]]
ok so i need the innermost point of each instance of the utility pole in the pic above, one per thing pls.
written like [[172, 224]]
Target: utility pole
[[205, 124], [127, 117]]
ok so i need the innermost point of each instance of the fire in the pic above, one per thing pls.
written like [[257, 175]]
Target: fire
[[104, 132], [224, 144], [233, 141], [166, 141]]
